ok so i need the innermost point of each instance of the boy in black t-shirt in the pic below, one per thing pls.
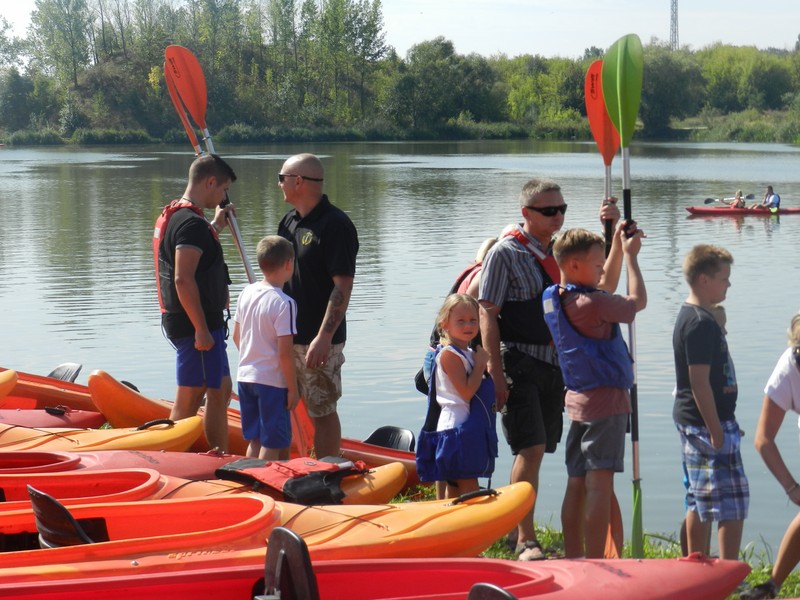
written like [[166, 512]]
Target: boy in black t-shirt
[[705, 402]]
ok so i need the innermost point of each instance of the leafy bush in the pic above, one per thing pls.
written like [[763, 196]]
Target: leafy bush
[[42, 137]]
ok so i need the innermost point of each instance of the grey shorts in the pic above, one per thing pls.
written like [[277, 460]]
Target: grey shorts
[[320, 388], [596, 445]]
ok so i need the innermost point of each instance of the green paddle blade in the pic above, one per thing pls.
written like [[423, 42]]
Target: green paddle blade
[[623, 65], [637, 529]]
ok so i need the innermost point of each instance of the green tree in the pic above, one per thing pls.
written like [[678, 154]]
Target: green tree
[[672, 87], [15, 92], [59, 33], [367, 43], [10, 46]]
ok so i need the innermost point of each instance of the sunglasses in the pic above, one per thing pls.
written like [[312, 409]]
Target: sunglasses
[[549, 211], [283, 176]]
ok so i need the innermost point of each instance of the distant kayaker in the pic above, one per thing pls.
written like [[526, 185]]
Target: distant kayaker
[[193, 292], [263, 330], [771, 200], [325, 245], [737, 202], [515, 272], [598, 373], [704, 410], [781, 394]]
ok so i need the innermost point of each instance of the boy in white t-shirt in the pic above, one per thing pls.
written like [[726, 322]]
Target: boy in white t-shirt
[[264, 329]]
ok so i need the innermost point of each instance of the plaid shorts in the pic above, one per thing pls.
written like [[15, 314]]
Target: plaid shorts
[[718, 488]]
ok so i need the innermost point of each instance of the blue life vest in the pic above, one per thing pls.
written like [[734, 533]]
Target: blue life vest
[[586, 363], [466, 451]]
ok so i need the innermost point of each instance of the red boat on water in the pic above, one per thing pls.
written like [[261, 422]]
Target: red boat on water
[[727, 211]]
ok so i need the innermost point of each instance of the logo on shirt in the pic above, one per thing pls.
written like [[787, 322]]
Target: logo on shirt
[[307, 238]]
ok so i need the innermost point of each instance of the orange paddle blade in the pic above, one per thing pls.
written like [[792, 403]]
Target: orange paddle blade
[[176, 101], [603, 131], [187, 75]]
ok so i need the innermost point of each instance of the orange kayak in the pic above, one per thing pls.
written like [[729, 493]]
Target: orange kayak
[[160, 436], [38, 391], [691, 578], [125, 407], [85, 486], [163, 536]]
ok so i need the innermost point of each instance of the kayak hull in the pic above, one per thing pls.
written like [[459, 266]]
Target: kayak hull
[[727, 211], [85, 486], [177, 436], [153, 537], [125, 407], [38, 391], [421, 579]]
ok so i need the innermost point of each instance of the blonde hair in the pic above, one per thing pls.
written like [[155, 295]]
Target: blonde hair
[[450, 303], [794, 336], [484, 249], [273, 252], [705, 259], [575, 241]]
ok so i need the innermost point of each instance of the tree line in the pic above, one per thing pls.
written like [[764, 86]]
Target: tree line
[[92, 70]]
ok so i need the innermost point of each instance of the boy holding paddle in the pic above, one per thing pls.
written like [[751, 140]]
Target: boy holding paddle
[[705, 401], [598, 374]]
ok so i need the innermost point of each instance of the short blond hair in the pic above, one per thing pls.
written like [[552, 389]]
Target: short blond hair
[[272, 253], [573, 242], [705, 259], [449, 304]]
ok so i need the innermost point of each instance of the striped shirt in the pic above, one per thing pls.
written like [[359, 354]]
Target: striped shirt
[[511, 272]]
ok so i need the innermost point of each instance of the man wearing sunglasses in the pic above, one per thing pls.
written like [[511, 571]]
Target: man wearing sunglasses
[[326, 244], [522, 359]]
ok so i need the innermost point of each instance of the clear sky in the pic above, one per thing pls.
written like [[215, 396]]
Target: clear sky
[[564, 27]]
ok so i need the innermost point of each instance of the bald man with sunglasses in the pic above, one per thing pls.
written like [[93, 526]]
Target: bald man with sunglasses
[[522, 360], [325, 244]]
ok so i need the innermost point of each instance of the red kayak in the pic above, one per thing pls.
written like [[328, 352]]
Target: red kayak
[[38, 391], [188, 465], [727, 211], [51, 416], [418, 579], [125, 407]]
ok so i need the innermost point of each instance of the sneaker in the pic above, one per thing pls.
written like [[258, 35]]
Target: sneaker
[[530, 550], [760, 591]]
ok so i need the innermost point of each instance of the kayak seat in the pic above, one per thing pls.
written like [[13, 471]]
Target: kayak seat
[[489, 591], [66, 372], [389, 436], [287, 569], [57, 527]]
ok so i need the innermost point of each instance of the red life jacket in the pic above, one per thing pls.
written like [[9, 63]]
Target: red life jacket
[[300, 480], [522, 321], [158, 236]]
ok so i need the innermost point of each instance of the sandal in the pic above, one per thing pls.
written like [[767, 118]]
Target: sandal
[[763, 590], [530, 550]]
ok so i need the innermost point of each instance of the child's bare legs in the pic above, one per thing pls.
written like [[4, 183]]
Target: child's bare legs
[[698, 533], [462, 486], [572, 511], [729, 536], [254, 449], [599, 487], [274, 453], [441, 490]]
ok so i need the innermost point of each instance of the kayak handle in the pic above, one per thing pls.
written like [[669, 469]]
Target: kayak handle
[[155, 422], [475, 494]]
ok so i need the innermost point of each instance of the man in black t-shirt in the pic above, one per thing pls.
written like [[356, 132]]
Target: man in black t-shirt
[[193, 293], [326, 244]]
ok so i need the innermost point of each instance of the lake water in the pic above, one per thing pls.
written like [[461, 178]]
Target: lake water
[[77, 274]]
